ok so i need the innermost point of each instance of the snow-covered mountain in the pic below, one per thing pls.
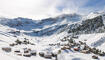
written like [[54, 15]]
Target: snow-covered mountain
[[43, 27], [46, 35]]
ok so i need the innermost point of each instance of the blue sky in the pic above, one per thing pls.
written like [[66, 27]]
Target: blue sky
[[95, 4], [85, 6], [38, 9]]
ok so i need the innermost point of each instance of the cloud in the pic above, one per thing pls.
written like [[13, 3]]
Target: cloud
[[38, 9], [28, 8]]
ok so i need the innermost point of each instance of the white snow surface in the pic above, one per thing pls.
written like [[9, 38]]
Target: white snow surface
[[94, 40], [42, 44]]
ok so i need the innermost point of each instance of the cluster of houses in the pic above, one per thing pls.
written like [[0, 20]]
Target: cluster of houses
[[18, 42], [48, 55], [81, 47], [28, 52], [71, 45]]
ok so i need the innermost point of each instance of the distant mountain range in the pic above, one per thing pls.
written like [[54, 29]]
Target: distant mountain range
[[71, 23]]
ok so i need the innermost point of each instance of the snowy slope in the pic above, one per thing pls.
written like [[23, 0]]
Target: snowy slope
[[48, 31]]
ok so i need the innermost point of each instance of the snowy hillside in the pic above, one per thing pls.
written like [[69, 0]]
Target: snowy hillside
[[57, 38]]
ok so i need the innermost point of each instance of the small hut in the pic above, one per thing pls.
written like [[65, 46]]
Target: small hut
[[41, 54], [6, 49], [27, 54], [48, 55], [33, 52], [95, 57], [76, 49]]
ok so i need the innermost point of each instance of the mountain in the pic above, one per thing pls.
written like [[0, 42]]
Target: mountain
[[46, 26], [53, 35]]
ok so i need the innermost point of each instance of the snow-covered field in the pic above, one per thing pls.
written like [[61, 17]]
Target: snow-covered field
[[8, 35], [42, 44]]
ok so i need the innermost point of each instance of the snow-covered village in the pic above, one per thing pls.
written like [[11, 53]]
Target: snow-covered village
[[52, 30]]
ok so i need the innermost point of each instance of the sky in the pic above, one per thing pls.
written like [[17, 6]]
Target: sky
[[39, 9]]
